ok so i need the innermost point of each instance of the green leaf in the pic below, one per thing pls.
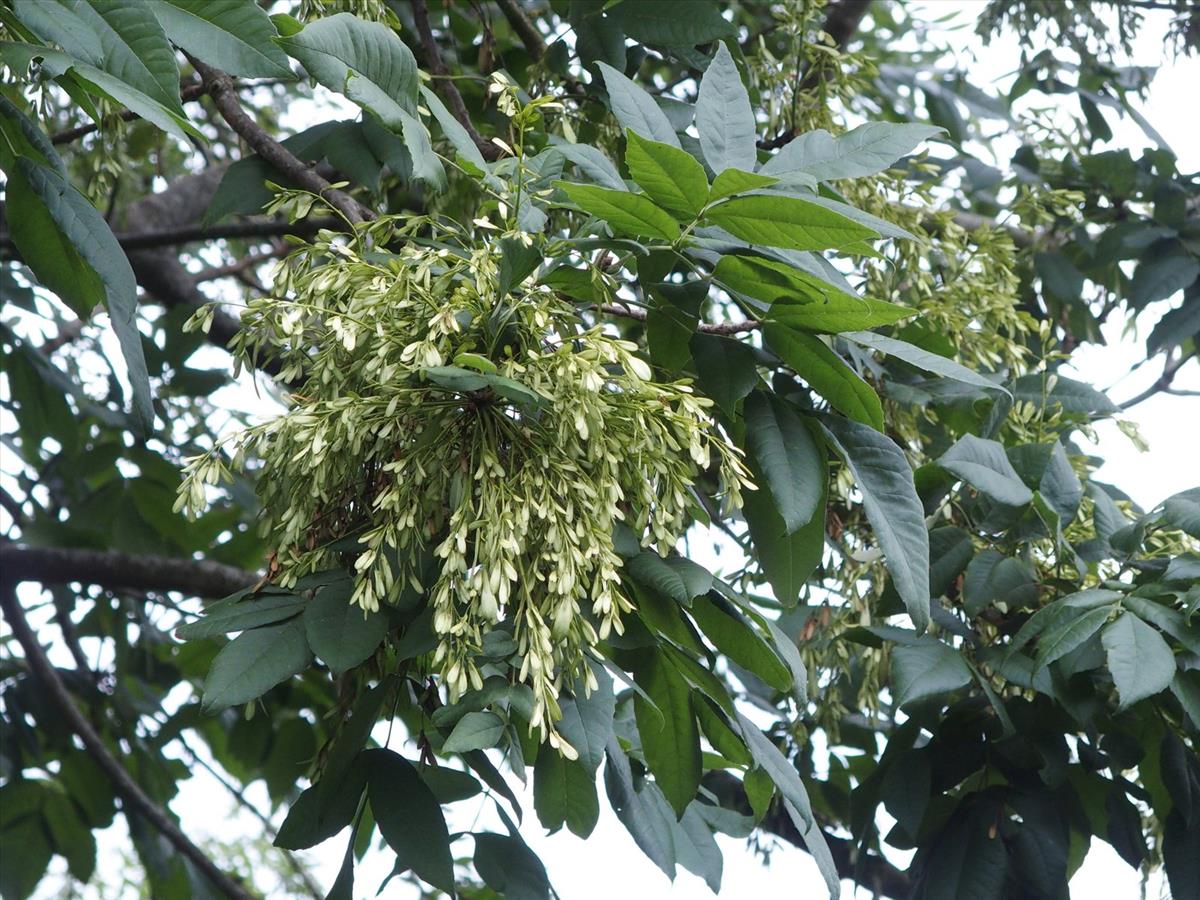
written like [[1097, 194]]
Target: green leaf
[[241, 616], [74, 223], [426, 166], [254, 662], [119, 37], [770, 280], [670, 176], [787, 222], [724, 118], [994, 578], [644, 813], [672, 23], [926, 669], [838, 313], [449, 785], [695, 847], [985, 466], [340, 633], [776, 765], [675, 577], [1064, 635], [868, 149], [670, 741], [1181, 855], [366, 61], [787, 457], [827, 373], [923, 359], [727, 368], [893, 508], [96, 81], [466, 381], [733, 635], [410, 819], [1140, 661], [735, 181], [626, 212], [564, 792], [1166, 619], [1073, 396], [636, 110], [587, 721], [786, 560], [19, 136], [236, 36], [592, 163], [509, 867], [463, 143], [474, 731]]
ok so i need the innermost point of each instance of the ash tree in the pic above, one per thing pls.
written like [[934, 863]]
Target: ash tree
[[541, 302]]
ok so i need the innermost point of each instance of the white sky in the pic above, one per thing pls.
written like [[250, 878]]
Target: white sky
[[608, 864]]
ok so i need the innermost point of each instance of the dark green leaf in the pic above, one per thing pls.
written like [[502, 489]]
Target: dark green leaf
[[1140, 661], [826, 373], [926, 669], [564, 792], [474, 731], [240, 616], [787, 456], [254, 662], [727, 368], [340, 633], [410, 819], [509, 867], [984, 465], [670, 741]]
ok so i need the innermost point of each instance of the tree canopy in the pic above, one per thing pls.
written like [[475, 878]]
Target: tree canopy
[[540, 299]]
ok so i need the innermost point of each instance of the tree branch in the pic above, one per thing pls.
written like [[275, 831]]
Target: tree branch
[[220, 88], [1163, 383], [132, 796], [111, 569], [525, 29], [632, 312], [189, 234], [445, 86]]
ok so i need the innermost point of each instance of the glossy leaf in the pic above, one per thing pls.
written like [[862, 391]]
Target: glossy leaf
[[787, 222], [672, 178], [827, 374], [626, 212]]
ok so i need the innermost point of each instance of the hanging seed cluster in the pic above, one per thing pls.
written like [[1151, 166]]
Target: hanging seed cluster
[[501, 435]]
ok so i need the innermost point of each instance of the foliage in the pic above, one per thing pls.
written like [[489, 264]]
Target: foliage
[[532, 329]]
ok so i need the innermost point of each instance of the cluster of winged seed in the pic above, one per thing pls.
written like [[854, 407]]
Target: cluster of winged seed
[[487, 444]]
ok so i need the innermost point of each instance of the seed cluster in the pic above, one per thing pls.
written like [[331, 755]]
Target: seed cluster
[[503, 435]]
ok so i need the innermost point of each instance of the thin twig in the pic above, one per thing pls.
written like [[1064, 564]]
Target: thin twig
[[726, 328], [187, 93], [132, 796], [239, 267], [445, 85], [1163, 383], [220, 88]]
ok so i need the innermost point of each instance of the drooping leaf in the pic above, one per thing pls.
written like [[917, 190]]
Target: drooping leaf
[[454, 130], [410, 819], [474, 731], [893, 508], [787, 560], [670, 741], [509, 867], [787, 456], [726, 368], [254, 662], [671, 177], [564, 792], [625, 211], [724, 118], [52, 224], [645, 813], [587, 721], [236, 36], [732, 634], [343, 50], [827, 373]]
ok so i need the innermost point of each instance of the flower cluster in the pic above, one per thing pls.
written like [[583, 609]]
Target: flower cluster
[[503, 435]]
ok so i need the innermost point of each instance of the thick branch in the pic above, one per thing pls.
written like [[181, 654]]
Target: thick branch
[[525, 29], [220, 88], [123, 785], [445, 86], [111, 569]]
